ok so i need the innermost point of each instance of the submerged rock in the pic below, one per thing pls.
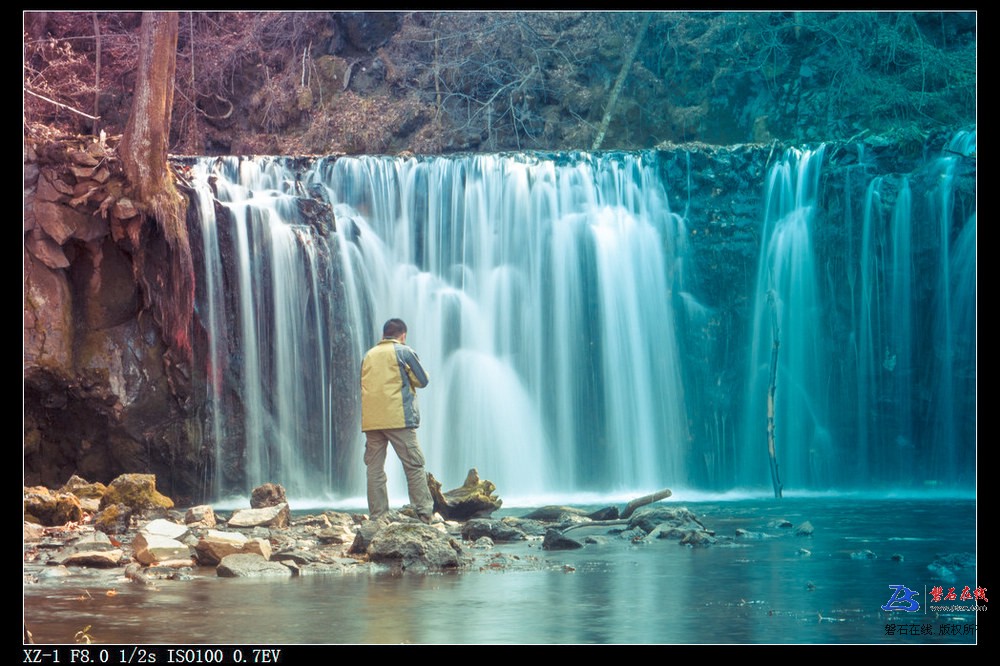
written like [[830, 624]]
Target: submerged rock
[[496, 530], [947, 567], [92, 549], [102, 559], [556, 514], [678, 517], [607, 513], [555, 540], [250, 565]]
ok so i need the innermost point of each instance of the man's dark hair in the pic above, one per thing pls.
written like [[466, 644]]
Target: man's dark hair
[[393, 328]]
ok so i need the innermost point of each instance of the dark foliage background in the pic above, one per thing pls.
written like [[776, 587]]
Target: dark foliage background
[[433, 82]]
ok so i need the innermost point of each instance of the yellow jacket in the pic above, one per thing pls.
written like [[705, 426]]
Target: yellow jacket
[[390, 376]]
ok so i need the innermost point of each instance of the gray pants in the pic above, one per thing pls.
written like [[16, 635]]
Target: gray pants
[[404, 441]]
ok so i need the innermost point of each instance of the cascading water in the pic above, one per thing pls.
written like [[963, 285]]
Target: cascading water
[[538, 294], [916, 339], [953, 308], [548, 298], [787, 307]]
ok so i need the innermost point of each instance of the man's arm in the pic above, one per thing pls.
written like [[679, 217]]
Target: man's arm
[[415, 371]]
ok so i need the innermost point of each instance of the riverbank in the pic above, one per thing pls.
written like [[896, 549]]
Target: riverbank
[[759, 583]]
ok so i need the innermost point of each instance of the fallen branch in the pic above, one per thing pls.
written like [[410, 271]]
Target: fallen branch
[[627, 512], [620, 83], [68, 108], [644, 500], [596, 523]]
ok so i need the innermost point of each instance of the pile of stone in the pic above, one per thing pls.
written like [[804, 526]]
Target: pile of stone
[[129, 525]]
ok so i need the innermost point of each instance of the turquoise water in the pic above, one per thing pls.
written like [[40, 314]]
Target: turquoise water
[[765, 590]]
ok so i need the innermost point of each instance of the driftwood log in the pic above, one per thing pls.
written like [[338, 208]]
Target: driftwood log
[[627, 512], [475, 499]]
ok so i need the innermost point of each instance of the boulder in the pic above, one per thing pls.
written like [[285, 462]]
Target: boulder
[[554, 540], [83, 488], [556, 514], [136, 491], [296, 558], [44, 507], [483, 543], [805, 529], [200, 516], [496, 530], [101, 559], [270, 516], [697, 538], [261, 547], [33, 532], [216, 545], [91, 549], [633, 534], [607, 513], [269, 494], [165, 528], [679, 517], [113, 519], [529, 526], [152, 548], [316, 568], [416, 546], [250, 565], [474, 499], [365, 533]]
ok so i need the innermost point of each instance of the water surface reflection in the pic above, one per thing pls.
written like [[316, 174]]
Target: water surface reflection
[[778, 588]]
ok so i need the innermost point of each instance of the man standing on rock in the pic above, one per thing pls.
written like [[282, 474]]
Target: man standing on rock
[[390, 376]]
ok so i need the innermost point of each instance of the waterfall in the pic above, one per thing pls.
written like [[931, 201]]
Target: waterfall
[[952, 320], [787, 305], [570, 345], [538, 292]]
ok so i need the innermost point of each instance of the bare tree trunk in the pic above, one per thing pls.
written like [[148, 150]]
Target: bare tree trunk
[[193, 144], [162, 258], [771, 389], [620, 83], [144, 145], [97, 72]]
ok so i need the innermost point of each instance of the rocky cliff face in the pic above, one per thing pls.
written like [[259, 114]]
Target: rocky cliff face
[[102, 395]]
